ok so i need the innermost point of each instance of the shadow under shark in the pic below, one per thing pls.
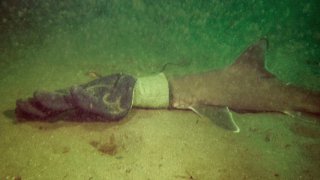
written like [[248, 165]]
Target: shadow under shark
[[245, 86]]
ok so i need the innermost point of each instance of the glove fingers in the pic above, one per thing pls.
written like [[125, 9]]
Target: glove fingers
[[28, 110], [43, 105]]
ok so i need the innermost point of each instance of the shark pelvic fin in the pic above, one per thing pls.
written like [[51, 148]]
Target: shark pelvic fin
[[221, 116]]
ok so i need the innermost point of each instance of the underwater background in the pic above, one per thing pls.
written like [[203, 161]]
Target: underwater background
[[147, 34], [54, 44]]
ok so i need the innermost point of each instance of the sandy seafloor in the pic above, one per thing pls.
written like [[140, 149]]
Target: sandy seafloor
[[158, 144]]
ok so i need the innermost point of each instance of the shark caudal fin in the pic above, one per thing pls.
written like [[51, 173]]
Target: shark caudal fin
[[221, 116], [253, 58]]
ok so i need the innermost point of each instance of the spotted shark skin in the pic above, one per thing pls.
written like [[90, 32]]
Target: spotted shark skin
[[244, 86]]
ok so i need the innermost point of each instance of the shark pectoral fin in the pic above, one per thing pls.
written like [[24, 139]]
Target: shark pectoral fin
[[301, 116], [221, 116], [292, 114]]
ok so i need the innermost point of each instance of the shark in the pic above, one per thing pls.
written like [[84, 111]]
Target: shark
[[244, 86]]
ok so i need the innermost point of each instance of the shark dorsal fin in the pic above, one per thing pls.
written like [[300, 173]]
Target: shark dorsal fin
[[253, 58]]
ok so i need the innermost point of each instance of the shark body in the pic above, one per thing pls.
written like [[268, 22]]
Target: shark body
[[245, 86]]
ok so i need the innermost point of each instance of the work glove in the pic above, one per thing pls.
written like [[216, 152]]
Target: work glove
[[107, 98]]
